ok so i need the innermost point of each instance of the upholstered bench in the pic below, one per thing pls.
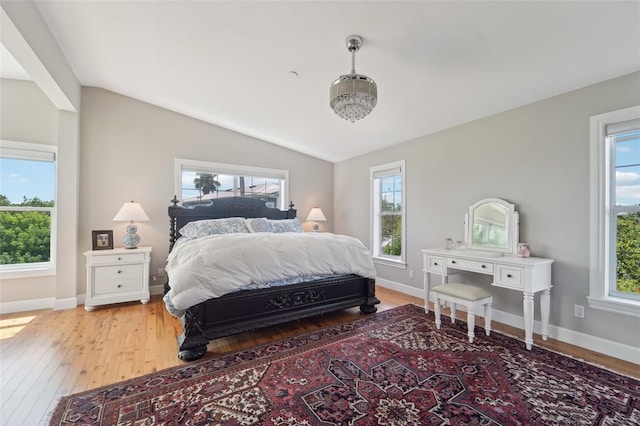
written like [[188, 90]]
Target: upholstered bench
[[471, 297]]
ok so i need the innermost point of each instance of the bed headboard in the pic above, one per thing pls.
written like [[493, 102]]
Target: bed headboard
[[219, 208]]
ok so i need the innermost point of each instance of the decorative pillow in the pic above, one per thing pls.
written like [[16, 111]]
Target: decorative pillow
[[202, 228], [286, 225], [260, 224]]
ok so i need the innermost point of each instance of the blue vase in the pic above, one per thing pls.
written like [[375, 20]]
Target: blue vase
[[131, 239]]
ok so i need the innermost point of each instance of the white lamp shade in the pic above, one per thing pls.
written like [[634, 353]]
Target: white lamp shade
[[131, 212], [316, 215]]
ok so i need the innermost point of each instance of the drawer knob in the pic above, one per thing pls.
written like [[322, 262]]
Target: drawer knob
[[119, 258], [509, 276], [119, 285], [119, 271], [483, 266], [453, 261], [435, 263]]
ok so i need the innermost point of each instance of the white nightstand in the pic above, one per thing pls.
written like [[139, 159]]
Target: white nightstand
[[118, 275]]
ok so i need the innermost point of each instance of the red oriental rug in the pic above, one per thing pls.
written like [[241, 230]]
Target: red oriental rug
[[389, 368]]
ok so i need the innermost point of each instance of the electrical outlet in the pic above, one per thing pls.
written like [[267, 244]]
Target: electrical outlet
[[578, 311], [161, 272], [411, 274]]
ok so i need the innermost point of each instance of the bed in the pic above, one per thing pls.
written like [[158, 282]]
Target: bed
[[252, 308]]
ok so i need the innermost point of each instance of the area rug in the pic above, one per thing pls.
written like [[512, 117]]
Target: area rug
[[389, 368]]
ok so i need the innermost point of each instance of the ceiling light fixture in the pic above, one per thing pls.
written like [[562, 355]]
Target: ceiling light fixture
[[353, 96]]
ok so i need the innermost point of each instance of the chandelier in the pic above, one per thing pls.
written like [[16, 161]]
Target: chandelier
[[353, 96]]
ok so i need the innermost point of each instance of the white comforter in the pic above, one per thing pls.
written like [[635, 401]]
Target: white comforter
[[212, 266]]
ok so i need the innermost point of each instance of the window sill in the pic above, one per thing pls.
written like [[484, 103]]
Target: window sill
[[616, 305], [390, 262], [7, 273]]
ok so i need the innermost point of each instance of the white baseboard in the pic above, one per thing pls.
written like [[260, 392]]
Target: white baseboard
[[56, 304], [36, 304], [402, 288], [593, 343], [156, 289], [68, 303], [26, 305]]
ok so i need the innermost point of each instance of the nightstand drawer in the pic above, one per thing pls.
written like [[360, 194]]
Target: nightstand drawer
[[112, 286], [471, 265], [119, 271], [435, 263], [509, 276], [111, 259]]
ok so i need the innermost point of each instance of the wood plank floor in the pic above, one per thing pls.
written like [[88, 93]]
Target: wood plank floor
[[47, 354]]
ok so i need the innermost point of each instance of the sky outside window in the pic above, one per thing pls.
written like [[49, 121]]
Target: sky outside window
[[27, 178]]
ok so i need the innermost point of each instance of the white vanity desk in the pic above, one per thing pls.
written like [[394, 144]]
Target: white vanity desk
[[492, 225], [528, 275]]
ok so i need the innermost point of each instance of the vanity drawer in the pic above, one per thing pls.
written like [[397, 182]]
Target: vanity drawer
[[509, 276], [470, 265], [435, 263]]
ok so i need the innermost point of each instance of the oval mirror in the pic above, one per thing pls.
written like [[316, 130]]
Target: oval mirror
[[492, 225]]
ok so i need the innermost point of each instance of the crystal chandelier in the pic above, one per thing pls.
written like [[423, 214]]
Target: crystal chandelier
[[353, 96]]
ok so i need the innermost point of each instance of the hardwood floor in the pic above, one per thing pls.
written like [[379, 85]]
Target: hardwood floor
[[47, 354]]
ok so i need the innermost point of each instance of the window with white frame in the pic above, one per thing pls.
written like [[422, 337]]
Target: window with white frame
[[27, 209], [614, 281], [198, 182], [388, 223]]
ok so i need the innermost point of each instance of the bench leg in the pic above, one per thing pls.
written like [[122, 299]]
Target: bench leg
[[453, 312], [471, 323], [487, 319], [436, 311]]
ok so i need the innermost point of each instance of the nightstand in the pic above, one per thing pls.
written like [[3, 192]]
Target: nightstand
[[117, 275]]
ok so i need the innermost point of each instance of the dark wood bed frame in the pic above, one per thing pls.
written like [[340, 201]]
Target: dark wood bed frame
[[252, 309]]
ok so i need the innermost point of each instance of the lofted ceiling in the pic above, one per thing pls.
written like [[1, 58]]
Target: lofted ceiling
[[437, 63]]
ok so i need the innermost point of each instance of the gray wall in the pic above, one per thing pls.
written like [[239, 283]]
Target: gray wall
[[536, 157], [128, 149]]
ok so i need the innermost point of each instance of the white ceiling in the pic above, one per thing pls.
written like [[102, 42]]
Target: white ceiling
[[437, 64]]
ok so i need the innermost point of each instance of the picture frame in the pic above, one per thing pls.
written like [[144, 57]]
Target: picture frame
[[102, 240]]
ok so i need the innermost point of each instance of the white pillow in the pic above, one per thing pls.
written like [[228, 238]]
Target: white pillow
[[286, 225], [260, 224], [202, 228]]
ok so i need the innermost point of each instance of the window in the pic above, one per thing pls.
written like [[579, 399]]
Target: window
[[197, 182], [614, 281], [388, 208], [27, 209]]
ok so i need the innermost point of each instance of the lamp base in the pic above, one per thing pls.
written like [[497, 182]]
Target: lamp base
[[131, 239]]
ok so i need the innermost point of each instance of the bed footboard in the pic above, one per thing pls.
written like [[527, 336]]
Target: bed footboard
[[252, 309]]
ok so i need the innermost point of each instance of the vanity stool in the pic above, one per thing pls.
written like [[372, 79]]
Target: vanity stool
[[467, 295]]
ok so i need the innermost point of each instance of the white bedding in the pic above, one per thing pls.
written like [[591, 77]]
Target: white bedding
[[213, 266]]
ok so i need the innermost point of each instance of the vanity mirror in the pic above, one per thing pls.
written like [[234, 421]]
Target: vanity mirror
[[492, 225]]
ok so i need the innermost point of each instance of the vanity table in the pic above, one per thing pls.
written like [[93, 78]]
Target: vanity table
[[491, 233]]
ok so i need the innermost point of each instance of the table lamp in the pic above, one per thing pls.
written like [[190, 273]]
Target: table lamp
[[130, 212], [316, 216]]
